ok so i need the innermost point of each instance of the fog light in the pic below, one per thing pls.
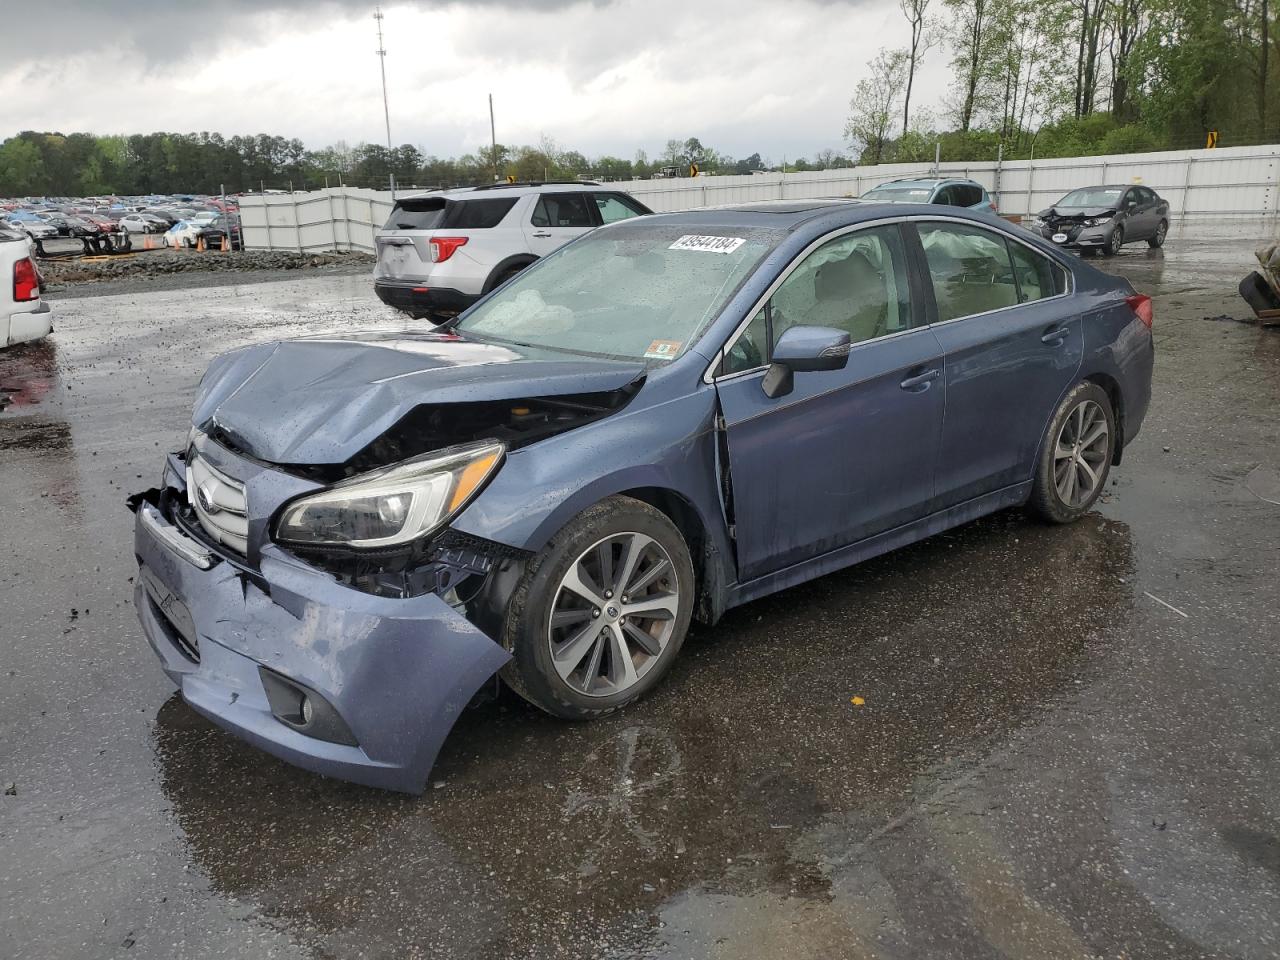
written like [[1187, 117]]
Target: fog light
[[303, 709]]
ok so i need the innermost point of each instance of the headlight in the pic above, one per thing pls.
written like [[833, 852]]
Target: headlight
[[1097, 221], [393, 505]]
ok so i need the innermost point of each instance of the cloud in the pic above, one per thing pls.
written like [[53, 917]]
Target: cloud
[[167, 31], [600, 77]]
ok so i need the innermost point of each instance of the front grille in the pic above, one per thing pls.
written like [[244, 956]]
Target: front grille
[[219, 503]]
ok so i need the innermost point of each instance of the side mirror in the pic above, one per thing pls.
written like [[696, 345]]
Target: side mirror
[[804, 350]]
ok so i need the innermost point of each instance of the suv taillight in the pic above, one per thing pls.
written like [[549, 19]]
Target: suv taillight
[[442, 248], [26, 283], [1143, 307]]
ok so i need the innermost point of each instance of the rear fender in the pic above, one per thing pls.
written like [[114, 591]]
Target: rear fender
[[520, 260]]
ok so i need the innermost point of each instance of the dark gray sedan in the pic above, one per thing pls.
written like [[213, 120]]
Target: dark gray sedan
[[666, 418], [1105, 218]]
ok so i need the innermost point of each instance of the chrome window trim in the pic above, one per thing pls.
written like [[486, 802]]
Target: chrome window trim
[[732, 340], [1071, 277], [708, 376]]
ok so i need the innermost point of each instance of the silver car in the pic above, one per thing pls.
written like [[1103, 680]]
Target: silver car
[[440, 252]]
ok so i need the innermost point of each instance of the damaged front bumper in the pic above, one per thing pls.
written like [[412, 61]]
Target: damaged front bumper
[[330, 678], [1075, 235]]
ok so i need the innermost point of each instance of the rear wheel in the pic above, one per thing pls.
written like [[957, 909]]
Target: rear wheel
[[1157, 238], [600, 614], [1075, 455]]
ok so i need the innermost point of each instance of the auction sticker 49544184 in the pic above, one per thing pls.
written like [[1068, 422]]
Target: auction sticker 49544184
[[708, 244]]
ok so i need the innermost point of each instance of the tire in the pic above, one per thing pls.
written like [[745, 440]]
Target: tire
[[1053, 496], [1114, 242], [508, 274], [592, 679], [1157, 238]]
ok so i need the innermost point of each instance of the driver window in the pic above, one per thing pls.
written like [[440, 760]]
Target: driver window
[[856, 283]]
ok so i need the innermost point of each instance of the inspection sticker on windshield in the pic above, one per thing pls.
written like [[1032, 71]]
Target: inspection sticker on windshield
[[663, 349], [708, 244]]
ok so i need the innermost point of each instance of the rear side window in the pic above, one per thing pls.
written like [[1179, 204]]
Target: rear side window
[[970, 268], [970, 194], [477, 214], [614, 207], [562, 210], [420, 214], [1038, 276]]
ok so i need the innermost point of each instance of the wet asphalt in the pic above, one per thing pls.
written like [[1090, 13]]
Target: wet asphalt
[[1065, 745]]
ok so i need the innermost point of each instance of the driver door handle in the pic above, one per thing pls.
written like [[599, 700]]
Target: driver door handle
[[921, 379], [542, 234], [1056, 337]]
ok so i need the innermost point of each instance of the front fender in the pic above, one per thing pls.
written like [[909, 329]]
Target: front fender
[[669, 445]]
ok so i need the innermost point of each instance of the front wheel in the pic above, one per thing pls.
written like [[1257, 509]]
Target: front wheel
[[1075, 455], [601, 612], [1157, 238], [1114, 242]]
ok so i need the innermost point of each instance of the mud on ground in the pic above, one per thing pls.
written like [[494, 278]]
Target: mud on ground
[[148, 270]]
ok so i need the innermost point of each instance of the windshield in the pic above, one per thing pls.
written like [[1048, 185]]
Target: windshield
[[635, 292], [904, 194], [1092, 197]]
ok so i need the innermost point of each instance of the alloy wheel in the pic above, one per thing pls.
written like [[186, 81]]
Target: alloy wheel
[[1117, 240], [1080, 454], [614, 614]]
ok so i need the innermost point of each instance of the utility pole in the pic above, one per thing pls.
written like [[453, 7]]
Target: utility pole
[[493, 140], [386, 111], [382, 61]]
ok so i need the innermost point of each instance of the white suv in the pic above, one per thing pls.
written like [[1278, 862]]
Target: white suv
[[440, 252], [23, 315]]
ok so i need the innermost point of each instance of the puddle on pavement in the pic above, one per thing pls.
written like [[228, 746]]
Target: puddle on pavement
[[588, 837]]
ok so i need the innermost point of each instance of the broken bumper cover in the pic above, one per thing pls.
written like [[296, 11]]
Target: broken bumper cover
[[1077, 236], [397, 672]]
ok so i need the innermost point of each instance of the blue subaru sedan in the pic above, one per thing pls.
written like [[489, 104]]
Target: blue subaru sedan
[[666, 418]]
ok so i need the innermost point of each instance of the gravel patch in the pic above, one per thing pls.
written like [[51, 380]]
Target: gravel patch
[[62, 275]]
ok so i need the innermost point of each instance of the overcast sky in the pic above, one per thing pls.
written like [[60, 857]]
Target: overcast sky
[[608, 76]]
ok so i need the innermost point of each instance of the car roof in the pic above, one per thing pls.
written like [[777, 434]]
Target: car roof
[[1109, 186], [932, 181], [812, 218], [501, 190]]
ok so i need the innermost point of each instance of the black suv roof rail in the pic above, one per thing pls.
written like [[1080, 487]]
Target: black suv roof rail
[[503, 185]]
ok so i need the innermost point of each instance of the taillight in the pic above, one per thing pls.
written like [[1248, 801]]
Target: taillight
[[442, 247], [1143, 307], [26, 284]]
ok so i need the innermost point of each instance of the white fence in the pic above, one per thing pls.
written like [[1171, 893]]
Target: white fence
[[1234, 183]]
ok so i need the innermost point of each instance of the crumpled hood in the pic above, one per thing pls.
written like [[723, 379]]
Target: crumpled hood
[[322, 400], [1085, 212]]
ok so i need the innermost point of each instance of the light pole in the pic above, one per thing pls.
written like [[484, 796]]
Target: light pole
[[386, 111], [493, 139]]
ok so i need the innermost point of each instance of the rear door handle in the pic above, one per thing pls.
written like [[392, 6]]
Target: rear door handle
[[542, 234], [1056, 337], [921, 380]]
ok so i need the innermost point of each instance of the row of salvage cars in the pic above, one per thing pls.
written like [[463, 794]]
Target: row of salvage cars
[[670, 416]]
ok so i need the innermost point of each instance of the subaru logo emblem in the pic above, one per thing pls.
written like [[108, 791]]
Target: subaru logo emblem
[[612, 611], [204, 496]]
